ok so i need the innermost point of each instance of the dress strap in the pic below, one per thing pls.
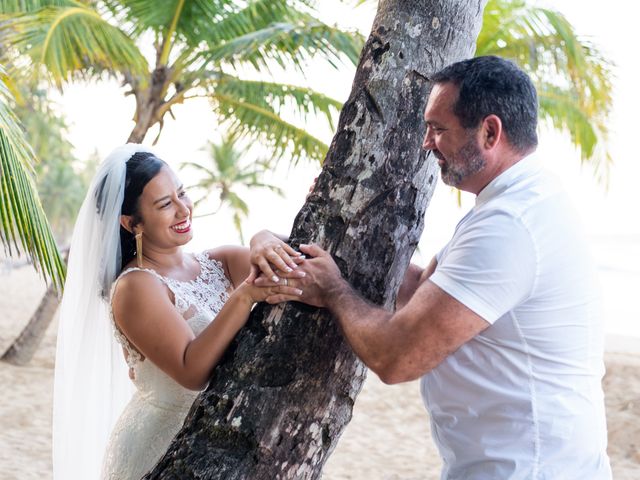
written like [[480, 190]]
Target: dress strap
[[137, 269], [132, 356]]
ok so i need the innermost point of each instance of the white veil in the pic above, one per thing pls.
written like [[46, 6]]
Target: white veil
[[91, 377]]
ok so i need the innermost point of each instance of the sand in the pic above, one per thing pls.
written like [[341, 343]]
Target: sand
[[388, 438]]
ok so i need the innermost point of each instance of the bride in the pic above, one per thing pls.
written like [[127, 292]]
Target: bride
[[132, 294]]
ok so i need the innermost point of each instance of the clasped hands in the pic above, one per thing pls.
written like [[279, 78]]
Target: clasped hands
[[308, 276]]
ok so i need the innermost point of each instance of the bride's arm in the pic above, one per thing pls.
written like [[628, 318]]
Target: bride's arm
[[145, 314]]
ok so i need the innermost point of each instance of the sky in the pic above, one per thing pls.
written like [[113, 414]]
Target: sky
[[100, 119]]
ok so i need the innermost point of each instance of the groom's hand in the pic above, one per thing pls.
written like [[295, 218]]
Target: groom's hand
[[321, 283]]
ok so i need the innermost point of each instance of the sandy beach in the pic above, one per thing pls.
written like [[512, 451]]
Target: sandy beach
[[388, 438]]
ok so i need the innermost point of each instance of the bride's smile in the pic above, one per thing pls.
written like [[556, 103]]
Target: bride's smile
[[165, 213]]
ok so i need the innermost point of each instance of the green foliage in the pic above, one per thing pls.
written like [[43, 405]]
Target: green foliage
[[202, 47], [249, 120], [22, 220], [60, 179], [285, 44], [251, 108], [72, 41], [25, 6], [227, 172], [572, 76], [277, 97]]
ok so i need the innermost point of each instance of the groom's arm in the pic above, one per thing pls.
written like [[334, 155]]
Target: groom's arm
[[398, 346], [413, 278]]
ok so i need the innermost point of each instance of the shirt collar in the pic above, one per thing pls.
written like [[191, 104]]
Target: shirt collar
[[507, 178]]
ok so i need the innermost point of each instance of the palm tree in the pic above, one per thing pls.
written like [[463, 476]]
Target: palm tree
[[23, 224], [572, 76], [201, 48], [225, 174]]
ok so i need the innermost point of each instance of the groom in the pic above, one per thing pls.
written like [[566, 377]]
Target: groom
[[503, 327]]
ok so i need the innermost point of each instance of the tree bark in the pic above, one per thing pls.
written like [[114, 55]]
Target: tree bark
[[284, 391], [25, 345], [140, 129], [149, 100]]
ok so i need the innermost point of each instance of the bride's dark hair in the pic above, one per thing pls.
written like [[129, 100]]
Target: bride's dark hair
[[141, 168]]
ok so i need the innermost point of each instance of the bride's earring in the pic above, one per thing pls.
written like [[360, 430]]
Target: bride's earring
[[139, 249]]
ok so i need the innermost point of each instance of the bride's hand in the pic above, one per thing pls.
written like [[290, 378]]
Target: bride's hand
[[268, 251], [254, 294]]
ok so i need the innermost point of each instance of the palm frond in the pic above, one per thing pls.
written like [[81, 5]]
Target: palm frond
[[72, 41], [248, 120], [61, 187], [237, 222], [194, 16], [255, 16], [287, 44], [11, 88], [561, 108], [274, 188], [8, 7], [196, 166], [237, 203], [22, 220], [212, 22], [278, 97], [572, 76]]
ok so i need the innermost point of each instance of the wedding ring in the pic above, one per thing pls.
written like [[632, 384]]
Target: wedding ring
[[286, 282]]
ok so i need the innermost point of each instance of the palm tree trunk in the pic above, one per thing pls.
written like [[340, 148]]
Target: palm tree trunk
[[148, 103], [25, 345], [284, 391], [142, 126]]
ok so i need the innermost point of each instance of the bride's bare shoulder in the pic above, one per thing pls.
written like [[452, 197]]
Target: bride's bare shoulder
[[138, 287]]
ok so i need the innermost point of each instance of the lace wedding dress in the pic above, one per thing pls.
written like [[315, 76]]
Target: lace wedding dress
[[159, 406]]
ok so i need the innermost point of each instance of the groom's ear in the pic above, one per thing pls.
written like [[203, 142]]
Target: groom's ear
[[126, 221]]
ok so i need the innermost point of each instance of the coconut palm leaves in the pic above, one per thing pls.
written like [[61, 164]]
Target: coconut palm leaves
[[284, 43], [22, 220], [254, 108], [202, 48], [225, 174], [572, 77], [72, 41], [61, 180]]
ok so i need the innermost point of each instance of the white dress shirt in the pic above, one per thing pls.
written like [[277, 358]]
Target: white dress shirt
[[523, 399]]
